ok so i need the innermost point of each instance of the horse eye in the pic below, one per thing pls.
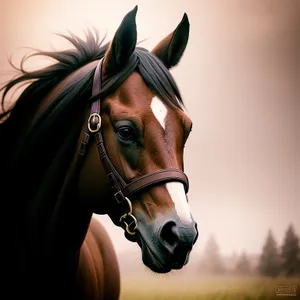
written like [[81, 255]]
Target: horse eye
[[126, 133]]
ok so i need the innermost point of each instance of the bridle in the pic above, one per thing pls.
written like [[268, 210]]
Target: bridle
[[122, 190]]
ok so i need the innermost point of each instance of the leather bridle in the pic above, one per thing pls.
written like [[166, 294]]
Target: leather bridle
[[122, 190]]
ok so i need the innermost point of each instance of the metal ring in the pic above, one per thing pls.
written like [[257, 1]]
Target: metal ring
[[130, 210], [129, 204], [127, 225], [129, 214], [98, 124]]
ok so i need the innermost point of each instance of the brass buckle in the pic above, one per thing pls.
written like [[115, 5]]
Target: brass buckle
[[131, 222], [98, 124]]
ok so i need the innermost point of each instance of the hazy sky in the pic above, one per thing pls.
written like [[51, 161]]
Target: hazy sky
[[240, 81]]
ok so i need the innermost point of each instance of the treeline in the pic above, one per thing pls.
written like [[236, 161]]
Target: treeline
[[274, 259]]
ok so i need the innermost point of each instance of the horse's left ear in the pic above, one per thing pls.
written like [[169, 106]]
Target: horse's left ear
[[122, 45], [171, 48]]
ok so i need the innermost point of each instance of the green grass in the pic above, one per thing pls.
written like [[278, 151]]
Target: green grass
[[219, 288]]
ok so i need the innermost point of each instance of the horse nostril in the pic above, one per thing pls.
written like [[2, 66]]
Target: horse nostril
[[197, 234], [169, 233]]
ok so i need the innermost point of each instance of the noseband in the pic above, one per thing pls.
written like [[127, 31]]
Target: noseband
[[122, 190]]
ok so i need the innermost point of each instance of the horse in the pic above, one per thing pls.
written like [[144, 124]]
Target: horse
[[100, 131]]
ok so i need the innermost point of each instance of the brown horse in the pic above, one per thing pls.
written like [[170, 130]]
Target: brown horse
[[101, 131]]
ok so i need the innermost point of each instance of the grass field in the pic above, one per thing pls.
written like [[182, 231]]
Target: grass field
[[220, 288]]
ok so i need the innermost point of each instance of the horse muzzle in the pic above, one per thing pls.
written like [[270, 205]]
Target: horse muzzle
[[166, 242]]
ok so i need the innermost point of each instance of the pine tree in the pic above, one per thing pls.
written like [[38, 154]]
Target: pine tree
[[211, 262], [243, 265], [291, 253], [269, 264]]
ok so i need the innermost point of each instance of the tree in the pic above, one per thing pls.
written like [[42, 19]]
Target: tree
[[243, 265], [269, 264], [290, 253], [212, 262]]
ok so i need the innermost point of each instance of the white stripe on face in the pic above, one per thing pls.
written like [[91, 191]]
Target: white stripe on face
[[177, 194], [160, 111]]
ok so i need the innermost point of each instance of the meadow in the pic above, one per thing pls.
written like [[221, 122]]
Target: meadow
[[158, 287]]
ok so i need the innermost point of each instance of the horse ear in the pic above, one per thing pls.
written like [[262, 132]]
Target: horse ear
[[171, 48], [122, 45]]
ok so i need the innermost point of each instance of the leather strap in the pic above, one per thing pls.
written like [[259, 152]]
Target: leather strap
[[156, 178]]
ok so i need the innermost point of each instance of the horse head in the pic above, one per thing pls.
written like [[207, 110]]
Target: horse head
[[144, 128]]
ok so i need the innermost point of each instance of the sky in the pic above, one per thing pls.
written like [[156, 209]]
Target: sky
[[240, 80]]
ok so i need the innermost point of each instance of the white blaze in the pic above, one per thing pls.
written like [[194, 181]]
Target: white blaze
[[160, 111], [177, 194], [175, 189]]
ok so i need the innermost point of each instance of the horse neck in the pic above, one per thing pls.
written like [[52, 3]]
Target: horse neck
[[69, 221], [52, 220], [70, 218], [67, 226]]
